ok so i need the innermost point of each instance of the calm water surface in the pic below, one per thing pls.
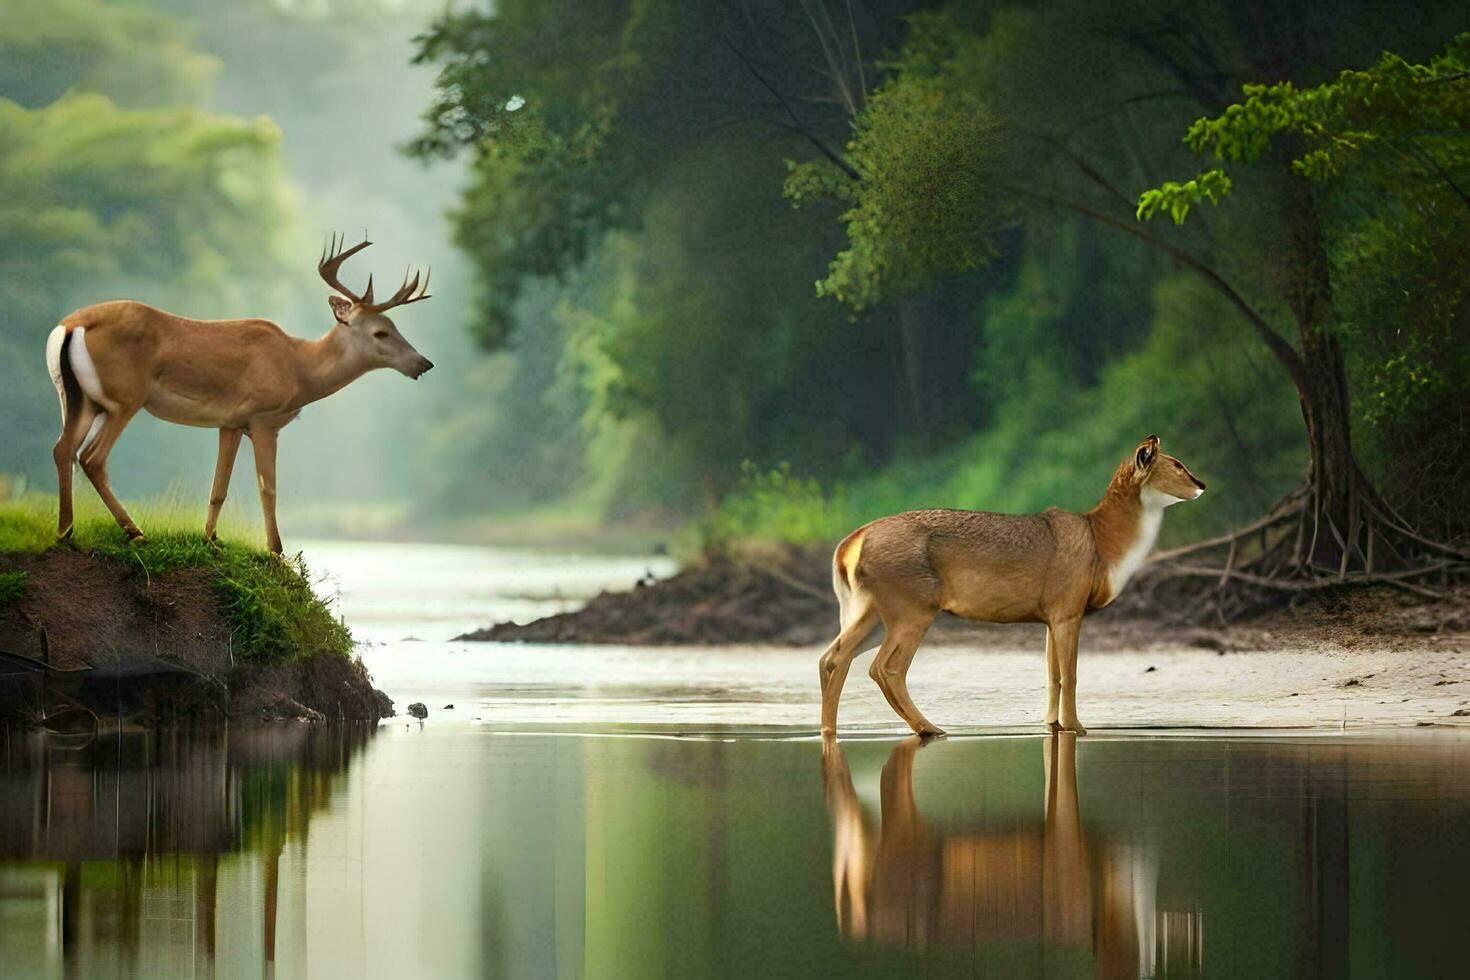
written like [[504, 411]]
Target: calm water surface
[[534, 842]]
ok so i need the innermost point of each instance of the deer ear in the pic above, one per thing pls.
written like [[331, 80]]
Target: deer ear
[[340, 307], [1146, 452]]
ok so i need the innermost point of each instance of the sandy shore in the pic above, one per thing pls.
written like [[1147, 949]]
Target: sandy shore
[[966, 689]]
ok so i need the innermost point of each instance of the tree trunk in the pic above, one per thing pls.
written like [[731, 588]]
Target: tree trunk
[[1321, 382], [1334, 475]]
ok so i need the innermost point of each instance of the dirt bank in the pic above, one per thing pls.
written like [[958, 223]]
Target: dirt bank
[[785, 599], [95, 631]]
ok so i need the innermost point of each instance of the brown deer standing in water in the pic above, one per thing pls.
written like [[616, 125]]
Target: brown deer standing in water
[[243, 377], [1051, 567]]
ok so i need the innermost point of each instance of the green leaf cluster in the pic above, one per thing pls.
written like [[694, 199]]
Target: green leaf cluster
[[927, 181], [1405, 121]]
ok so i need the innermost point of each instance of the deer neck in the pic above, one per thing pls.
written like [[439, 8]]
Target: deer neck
[[328, 364], [1125, 525]]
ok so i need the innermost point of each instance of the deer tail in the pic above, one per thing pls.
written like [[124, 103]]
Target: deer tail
[[58, 363], [844, 569]]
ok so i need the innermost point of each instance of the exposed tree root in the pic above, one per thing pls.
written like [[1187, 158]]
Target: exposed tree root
[[1296, 549]]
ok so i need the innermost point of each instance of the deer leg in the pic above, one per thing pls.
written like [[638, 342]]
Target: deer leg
[[891, 668], [1064, 638], [229, 444], [852, 857], [1066, 880], [832, 668], [1053, 683], [264, 442], [900, 811], [94, 464], [73, 431]]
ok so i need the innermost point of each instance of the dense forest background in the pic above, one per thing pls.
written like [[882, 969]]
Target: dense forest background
[[774, 268]]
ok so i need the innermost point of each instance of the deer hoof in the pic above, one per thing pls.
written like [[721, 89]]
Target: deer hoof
[[927, 732], [65, 535], [136, 536], [1053, 726]]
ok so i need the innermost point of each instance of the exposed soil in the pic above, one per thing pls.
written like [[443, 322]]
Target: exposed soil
[[785, 599], [99, 633]]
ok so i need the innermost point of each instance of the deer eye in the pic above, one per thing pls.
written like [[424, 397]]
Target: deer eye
[[380, 335]]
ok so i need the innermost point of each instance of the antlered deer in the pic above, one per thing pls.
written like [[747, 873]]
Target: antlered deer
[[1051, 567], [243, 377]]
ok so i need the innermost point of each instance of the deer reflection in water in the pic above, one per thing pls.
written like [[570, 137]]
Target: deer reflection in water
[[111, 852], [1047, 881]]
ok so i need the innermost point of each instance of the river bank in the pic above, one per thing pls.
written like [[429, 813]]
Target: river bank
[[784, 598], [174, 629]]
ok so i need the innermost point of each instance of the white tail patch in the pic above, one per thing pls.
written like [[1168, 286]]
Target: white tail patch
[[53, 365], [84, 369]]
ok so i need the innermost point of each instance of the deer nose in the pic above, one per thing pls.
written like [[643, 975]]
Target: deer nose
[[424, 367]]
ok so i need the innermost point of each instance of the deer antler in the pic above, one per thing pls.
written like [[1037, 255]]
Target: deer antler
[[409, 292], [331, 261]]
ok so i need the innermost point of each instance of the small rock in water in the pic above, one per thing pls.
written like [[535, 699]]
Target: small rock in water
[[1151, 670], [1461, 713], [418, 710], [447, 707]]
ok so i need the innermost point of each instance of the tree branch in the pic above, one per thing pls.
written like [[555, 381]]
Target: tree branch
[[797, 125], [1277, 344]]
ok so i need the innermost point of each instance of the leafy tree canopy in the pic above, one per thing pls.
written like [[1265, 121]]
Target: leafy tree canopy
[[1405, 122]]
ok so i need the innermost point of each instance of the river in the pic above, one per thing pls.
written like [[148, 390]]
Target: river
[[612, 812]]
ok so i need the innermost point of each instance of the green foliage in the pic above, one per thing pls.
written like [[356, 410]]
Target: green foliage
[[1176, 199], [533, 90], [927, 181], [140, 57], [774, 505], [267, 599], [1404, 120], [983, 350], [275, 613], [1212, 401], [12, 586], [1387, 151]]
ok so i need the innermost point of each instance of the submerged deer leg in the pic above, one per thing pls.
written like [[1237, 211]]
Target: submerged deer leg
[[890, 670], [1064, 635], [263, 440], [832, 668], [94, 464], [229, 444]]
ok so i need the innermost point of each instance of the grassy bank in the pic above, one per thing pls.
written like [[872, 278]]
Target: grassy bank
[[268, 601]]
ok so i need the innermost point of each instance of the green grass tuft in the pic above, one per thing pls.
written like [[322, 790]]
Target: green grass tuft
[[12, 586], [268, 600]]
